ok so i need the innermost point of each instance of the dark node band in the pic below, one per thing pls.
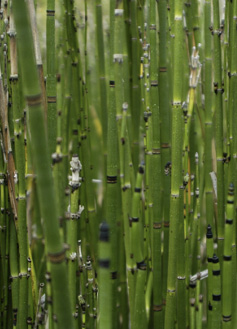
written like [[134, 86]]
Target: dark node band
[[113, 275], [104, 263], [216, 272], [209, 234], [111, 179], [227, 258], [29, 320], [216, 297], [165, 145], [154, 83], [112, 83], [163, 69], [215, 259], [141, 266], [50, 12], [141, 170], [155, 151], [157, 225], [166, 224], [104, 232], [209, 259], [157, 308], [229, 221], [34, 100], [135, 219], [57, 258], [226, 318], [51, 99], [192, 284], [137, 189]]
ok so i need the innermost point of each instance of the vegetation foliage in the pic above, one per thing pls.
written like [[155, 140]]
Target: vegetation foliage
[[118, 164]]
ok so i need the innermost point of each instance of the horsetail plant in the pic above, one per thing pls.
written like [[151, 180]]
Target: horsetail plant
[[41, 155], [88, 237]]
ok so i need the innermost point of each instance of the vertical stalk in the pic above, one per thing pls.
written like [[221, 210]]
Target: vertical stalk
[[105, 319], [165, 132], [135, 109], [208, 115], [155, 176], [216, 293], [209, 246], [32, 92], [176, 156], [227, 288], [51, 78], [112, 172], [218, 91], [102, 75]]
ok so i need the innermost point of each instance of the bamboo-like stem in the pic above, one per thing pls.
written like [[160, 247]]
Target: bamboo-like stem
[[135, 109], [38, 56], [112, 171], [42, 164], [165, 133], [75, 79], [216, 293], [233, 84], [105, 319], [155, 166], [218, 91], [137, 239], [208, 116], [181, 278], [102, 75], [51, 78], [209, 244], [14, 270], [20, 177], [176, 177], [72, 226], [227, 261]]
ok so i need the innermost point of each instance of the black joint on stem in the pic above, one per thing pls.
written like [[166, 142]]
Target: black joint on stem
[[192, 284], [216, 297], [216, 272], [114, 275], [227, 258], [209, 234], [50, 12], [104, 232], [154, 83], [226, 318], [215, 259], [141, 265], [104, 263], [157, 308], [29, 320], [157, 225], [111, 179], [57, 258], [135, 219], [112, 83], [141, 169]]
